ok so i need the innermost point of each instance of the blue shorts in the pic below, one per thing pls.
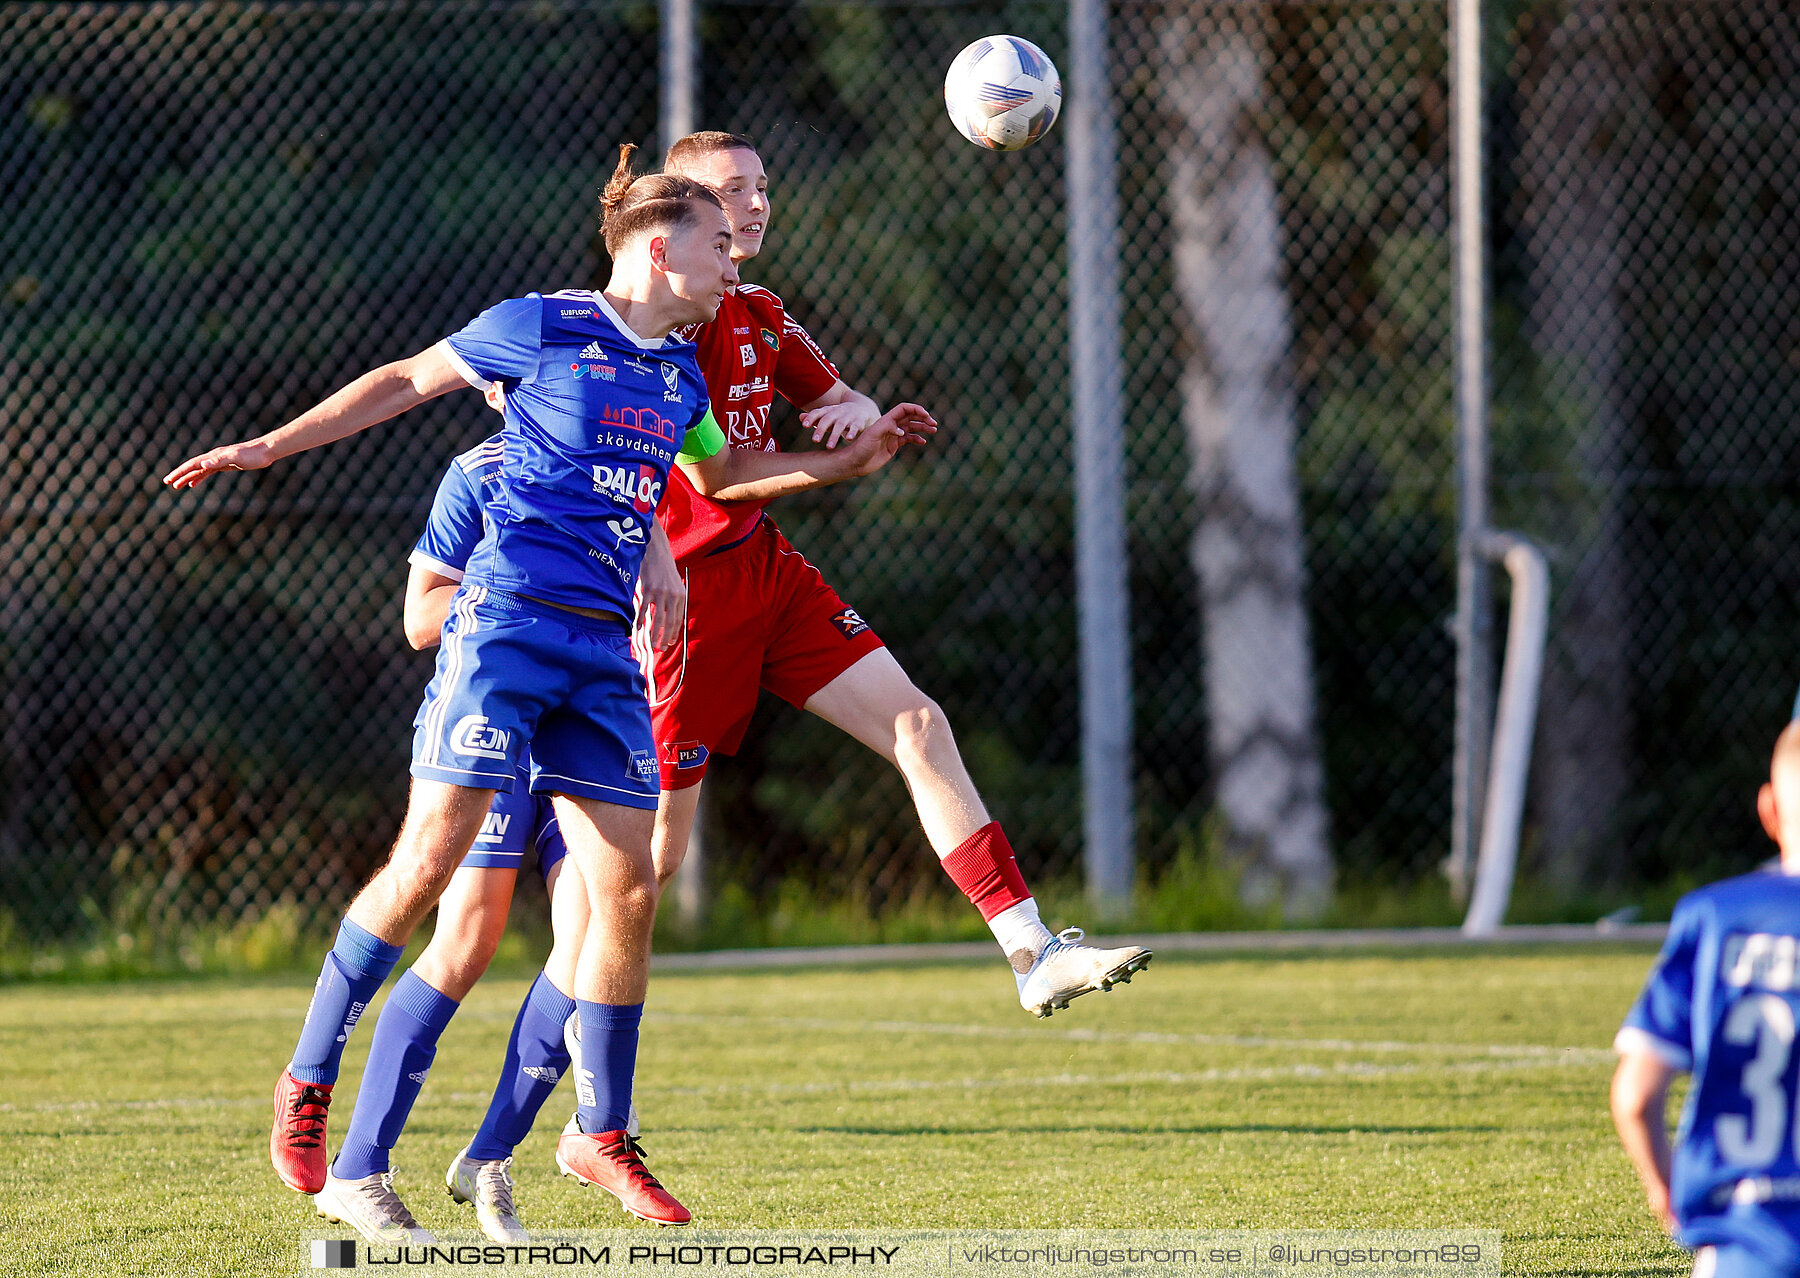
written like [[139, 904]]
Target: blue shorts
[[518, 822], [512, 673]]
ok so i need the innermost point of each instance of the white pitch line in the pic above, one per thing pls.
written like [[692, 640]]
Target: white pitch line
[[1504, 1055], [1584, 1055], [1162, 1078], [1153, 1078]]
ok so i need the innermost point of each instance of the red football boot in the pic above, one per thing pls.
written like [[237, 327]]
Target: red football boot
[[297, 1141], [615, 1162]]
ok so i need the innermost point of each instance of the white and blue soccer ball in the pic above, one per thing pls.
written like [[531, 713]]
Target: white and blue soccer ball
[[1003, 93]]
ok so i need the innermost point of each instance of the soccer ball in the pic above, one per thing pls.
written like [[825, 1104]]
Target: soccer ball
[[1003, 93]]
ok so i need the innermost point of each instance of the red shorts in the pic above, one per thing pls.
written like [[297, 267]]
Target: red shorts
[[758, 616]]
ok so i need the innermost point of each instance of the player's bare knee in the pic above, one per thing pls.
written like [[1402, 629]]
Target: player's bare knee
[[434, 870], [474, 961], [414, 880], [666, 869], [451, 966], [636, 904]]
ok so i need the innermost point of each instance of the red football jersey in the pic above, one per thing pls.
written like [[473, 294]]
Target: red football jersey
[[752, 350]]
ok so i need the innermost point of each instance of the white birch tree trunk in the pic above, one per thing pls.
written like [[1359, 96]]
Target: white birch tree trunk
[[1239, 413]]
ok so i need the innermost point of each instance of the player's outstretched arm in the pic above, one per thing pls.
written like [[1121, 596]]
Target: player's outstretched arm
[[1640, 1090], [839, 415], [743, 474], [372, 398]]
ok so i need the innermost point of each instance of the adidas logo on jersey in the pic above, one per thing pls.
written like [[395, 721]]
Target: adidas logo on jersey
[[592, 351]]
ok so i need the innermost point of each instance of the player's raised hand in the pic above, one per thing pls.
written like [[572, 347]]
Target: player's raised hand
[[254, 455], [917, 424], [836, 424], [901, 425]]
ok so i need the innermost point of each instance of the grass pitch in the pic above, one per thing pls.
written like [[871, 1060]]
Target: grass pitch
[[1403, 1090]]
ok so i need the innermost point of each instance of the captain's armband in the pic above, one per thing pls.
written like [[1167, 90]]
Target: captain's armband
[[704, 439]]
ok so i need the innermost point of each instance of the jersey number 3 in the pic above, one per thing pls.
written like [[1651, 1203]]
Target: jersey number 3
[[1755, 1140]]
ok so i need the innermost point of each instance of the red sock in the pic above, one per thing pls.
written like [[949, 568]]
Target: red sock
[[983, 867]]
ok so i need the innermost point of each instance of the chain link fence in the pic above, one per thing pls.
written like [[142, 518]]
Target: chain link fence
[[213, 215]]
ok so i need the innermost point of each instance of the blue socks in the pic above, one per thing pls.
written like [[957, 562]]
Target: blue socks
[[405, 1042], [609, 1040], [357, 965], [536, 1058], [400, 1056]]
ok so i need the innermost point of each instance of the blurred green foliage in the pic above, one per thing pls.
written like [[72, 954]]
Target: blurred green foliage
[[214, 215]]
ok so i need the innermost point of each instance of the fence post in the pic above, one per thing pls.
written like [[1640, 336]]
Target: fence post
[[680, 75], [1102, 578], [1474, 661], [680, 67]]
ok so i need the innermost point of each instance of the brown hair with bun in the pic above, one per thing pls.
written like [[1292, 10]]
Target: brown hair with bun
[[632, 204]]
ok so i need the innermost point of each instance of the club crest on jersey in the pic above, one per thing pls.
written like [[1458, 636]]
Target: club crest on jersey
[[849, 623], [683, 754], [771, 339]]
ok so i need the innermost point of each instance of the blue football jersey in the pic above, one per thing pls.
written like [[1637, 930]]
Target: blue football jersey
[[456, 524], [1722, 1002], [595, 416]]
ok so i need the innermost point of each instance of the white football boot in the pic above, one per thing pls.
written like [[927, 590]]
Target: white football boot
[[1068, 969], [488, 1185], [372, 1208]]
